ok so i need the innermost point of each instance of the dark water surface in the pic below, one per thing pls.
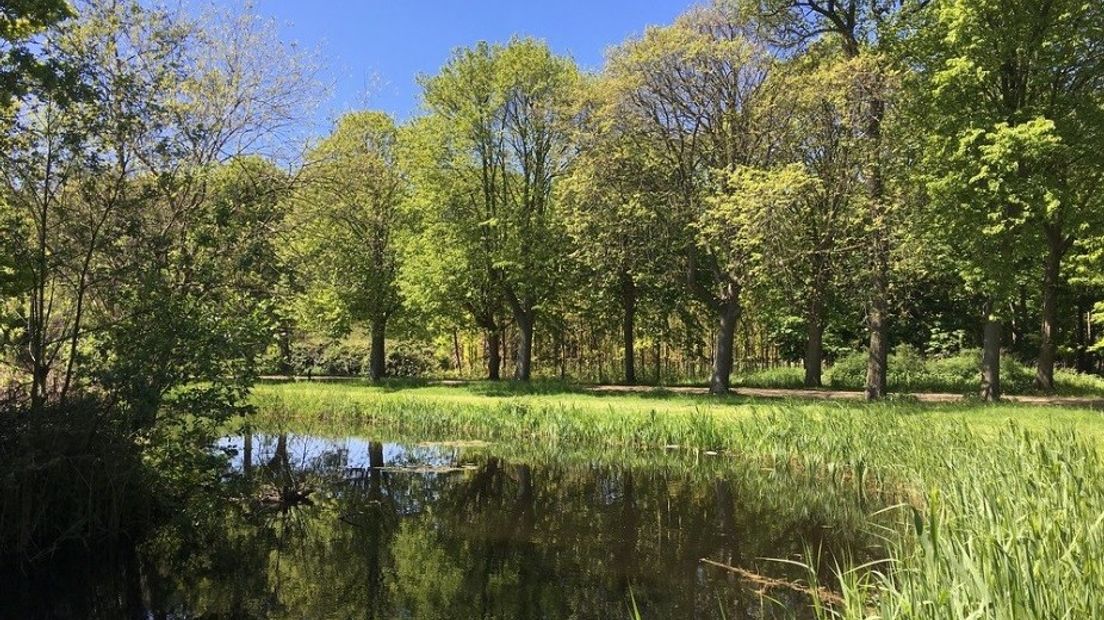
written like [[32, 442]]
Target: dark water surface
[[309, 527]]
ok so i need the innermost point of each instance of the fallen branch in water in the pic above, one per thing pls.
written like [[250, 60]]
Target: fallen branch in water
[[824, 595]]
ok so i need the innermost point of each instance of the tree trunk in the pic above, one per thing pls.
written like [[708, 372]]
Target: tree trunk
[[879, 348], [284, 342], [456, 351], [247, 452], [628, 302], [494, 354], [722, 356], [879, 304], [1084, 315], [1044, 370], [814, 344], [377, 368], [990, 360], [375, 469], [524, 366]]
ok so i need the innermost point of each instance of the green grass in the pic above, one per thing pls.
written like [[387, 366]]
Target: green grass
[[474, 407], [1001, 506]]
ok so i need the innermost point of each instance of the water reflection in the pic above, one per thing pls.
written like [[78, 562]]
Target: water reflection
[[340, 528]]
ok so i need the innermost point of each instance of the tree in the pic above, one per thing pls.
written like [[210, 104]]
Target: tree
[[617, 192], [448, 272], [1029, 71], [347, 224], [108, 185], [1017, 87], [506, 115], [815, 228], [862, 29], [698, 92]]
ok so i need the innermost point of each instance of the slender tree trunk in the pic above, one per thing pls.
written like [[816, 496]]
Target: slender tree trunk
[[524, 367], [1044, 371], [879, 303], [378, 368], [628, 331], [814, 344], [284, 342], [456, 351], [1084, 315], [494, 354], [990, 360], [722, 356]]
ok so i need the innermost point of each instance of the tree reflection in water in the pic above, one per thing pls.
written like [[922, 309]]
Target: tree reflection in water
[[452, 532]]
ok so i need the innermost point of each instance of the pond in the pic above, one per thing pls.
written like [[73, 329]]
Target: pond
[[308, 526]]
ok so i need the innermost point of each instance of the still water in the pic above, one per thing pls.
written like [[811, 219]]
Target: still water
[[313, 527]]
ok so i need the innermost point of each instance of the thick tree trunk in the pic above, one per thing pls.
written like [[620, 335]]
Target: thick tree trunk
[[722, 355], [494, 354], [990, 360], [1044, 370], [878, 353], [628, 330], [524, 367], [375, 466], [377, 368], [814, 344]]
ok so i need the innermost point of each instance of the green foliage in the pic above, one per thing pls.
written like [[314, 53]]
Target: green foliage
[[347, 225], [956, 373]]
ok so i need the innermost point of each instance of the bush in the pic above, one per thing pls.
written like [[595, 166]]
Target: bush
[[849, 371], [409, 360], [959, 373]]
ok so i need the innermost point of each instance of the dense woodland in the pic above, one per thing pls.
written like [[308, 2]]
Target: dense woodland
[[761, 183]]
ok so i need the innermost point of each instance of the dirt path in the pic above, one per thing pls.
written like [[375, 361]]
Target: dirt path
[[801, 393], [826, 394]]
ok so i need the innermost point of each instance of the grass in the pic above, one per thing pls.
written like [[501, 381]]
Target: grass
[[1001, 507]]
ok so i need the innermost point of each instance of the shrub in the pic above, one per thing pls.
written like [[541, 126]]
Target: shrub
[[959, 373], [409, 360]]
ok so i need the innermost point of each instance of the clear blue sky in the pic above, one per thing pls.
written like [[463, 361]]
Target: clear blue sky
[[372, 50]]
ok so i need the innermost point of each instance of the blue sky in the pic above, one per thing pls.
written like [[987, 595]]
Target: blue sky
[[372, 50]]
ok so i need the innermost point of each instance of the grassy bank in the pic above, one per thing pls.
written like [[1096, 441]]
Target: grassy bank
[[1002, 507]]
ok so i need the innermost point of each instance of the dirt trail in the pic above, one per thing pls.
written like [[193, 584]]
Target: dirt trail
[[799, 393], [826, 394]]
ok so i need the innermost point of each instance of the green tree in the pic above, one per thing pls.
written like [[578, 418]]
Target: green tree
[[109, 185], [448, 273], [813, 232], [617, 192], [699, 93], [348, 224], [506, 114], [862, 29], [1015, 101]]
